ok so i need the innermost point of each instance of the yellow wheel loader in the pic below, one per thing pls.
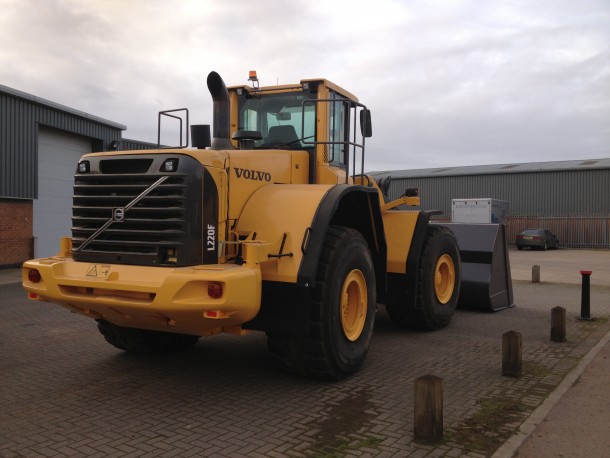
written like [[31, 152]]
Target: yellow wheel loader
[[269, 224]]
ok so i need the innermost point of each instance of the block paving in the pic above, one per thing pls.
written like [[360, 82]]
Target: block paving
[[65, 392]]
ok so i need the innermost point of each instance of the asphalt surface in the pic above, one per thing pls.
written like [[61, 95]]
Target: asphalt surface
[[65, 392]]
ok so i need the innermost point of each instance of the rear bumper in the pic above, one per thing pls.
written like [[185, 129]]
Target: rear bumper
[[158, 298]]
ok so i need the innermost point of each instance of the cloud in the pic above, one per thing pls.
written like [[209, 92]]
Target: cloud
[[449, 82]]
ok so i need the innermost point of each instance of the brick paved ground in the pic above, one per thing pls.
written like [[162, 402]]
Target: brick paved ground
[[65, 392]]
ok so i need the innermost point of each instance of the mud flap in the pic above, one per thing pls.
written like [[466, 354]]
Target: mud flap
[[486, 281]]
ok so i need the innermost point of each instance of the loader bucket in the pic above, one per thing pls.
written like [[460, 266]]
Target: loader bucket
[[486, 281]]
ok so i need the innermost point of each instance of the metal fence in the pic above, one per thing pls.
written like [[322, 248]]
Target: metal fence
[[572, 232]]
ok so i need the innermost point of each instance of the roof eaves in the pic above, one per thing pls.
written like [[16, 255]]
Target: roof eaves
[[60, 107]]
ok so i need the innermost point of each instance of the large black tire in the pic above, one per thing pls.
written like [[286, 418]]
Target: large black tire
[[343, 310], [438, 285], [143, 341]]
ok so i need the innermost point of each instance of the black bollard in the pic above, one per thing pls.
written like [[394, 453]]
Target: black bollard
[[585, 302]]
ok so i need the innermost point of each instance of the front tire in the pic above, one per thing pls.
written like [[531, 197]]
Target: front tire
[[343, 310], [144, 341], [438, 284]]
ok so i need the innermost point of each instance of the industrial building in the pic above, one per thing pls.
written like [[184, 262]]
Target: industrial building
[[570, 198], [41, 142]]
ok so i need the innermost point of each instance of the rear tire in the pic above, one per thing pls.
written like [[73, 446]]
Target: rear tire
[[343, 310], [143, 341], [438, 285]]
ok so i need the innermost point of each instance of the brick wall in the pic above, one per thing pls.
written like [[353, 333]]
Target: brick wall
[[15, 232]]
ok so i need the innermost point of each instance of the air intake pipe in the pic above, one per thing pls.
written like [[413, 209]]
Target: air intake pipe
[[222, 123]]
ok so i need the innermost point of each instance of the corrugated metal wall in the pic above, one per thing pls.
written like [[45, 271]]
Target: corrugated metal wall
[[129, 144], [541, 194], [19, 121]]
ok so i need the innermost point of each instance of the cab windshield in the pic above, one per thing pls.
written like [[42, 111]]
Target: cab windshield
[[281, 119]]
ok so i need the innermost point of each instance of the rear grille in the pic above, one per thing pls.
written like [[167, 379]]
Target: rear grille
[[162, 228]]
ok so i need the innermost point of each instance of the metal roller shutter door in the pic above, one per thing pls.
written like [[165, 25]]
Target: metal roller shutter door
[[58, 154]]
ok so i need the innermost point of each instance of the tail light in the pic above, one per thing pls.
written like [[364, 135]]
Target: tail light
[[215, 290], [34, 276]]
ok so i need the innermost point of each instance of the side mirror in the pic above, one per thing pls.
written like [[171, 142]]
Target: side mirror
[[366, 127]]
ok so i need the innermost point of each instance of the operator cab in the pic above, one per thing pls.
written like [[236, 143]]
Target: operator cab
[[316, 116]]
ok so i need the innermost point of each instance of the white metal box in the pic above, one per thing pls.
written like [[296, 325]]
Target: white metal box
[[483, 210]]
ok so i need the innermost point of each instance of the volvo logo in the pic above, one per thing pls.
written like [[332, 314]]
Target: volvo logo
[[118, 215], [254, 175]]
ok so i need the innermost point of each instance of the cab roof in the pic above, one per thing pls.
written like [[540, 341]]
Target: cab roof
[[298, 87]]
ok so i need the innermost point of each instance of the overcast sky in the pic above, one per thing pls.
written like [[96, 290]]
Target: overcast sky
[[448, 82]]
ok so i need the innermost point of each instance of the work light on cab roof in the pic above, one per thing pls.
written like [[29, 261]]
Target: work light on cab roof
[[252, 77]]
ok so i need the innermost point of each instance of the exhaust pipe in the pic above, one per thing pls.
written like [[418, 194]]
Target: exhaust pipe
[[222, 122]]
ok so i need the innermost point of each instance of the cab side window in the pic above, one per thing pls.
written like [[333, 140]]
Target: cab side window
[[338, 113]]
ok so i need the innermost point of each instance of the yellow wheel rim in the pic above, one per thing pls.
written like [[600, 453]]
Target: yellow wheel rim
[[444, 278], [353, 305]]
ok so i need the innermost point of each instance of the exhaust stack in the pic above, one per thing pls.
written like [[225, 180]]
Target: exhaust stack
[[222, 122]]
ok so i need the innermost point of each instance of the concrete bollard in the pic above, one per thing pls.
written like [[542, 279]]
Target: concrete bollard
[[535, 274], [511, 354], [558, 324], [428, 410], [585, 298]]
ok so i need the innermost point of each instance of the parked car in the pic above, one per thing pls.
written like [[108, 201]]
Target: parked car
[[537, 238]]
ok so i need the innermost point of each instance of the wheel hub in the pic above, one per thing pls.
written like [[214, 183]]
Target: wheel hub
[[353, 304], [444, 278]]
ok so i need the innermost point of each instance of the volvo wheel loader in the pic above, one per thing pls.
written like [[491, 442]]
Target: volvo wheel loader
[[270, 225]]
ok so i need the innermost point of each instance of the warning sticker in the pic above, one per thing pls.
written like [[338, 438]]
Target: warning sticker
[[98, 270]]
